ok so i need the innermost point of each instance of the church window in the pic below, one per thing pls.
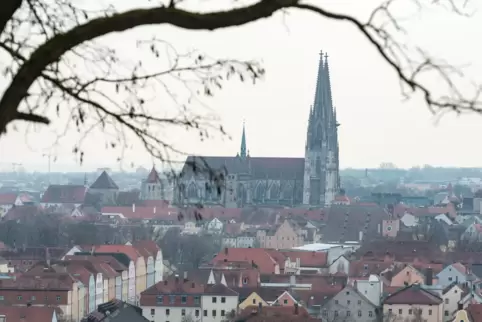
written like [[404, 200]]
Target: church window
[[318, 166], [287, 192], [274, 192], [260, 192], [192, 191]]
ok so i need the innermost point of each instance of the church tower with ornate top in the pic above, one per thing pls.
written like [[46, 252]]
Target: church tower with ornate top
[[321, 169]]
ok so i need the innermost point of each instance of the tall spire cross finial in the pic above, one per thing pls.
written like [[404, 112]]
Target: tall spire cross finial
[[243, 142], [326, 55]]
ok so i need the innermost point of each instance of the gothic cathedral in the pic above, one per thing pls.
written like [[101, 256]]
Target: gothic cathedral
[[312, 181]]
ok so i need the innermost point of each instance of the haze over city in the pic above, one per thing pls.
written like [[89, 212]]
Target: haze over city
[[377, 125]]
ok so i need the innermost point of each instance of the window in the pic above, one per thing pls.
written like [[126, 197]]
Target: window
[[214, 312], [19, 297], [359, 313], [254, 301], [389, 311], [348, 313], [172, 299], [215, 299], [446, 313], [223, 300], [183, 312], [205, 313], [183, 299], [2, 298], [336, 301], [429, 312], [336, 313], [446, 301], [196, 300], [370, 314], [168, 312], [58, 297], [285, 301], [450, 279], [32, 298], [409, 311], [348, 302], [245, 280], [359, 302], [347, 293], [197, 313], [153, 311], [325, 313], [223, 313], [400, 311]]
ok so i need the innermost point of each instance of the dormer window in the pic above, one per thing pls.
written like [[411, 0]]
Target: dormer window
[[245, 280]]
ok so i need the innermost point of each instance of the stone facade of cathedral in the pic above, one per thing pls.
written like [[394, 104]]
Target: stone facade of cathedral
[[312, 181]]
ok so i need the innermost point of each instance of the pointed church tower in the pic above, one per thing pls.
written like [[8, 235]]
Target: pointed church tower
[[242, 153], [321, 162], [153, 188]]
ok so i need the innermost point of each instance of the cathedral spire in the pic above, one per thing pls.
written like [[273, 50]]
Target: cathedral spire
[[327, 84], [243, 142], [319, 87]]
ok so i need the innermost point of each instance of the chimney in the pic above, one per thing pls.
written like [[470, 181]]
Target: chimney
[[226, 251], [260, 307], [133, 207], [92, 251], [154, 209], [428, 276], [360, 235], [379, 229], [47, 256], [292, 280], [185, 276], [296, 309], [177, 279]]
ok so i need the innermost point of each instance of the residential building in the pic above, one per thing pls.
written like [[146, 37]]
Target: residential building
[[453, 273], [176, 298], [63, 196], [116, 311], [450, 294], [413, 302], [261, 313], [349, 304], [27, 314], [282, 237], [410, 275]]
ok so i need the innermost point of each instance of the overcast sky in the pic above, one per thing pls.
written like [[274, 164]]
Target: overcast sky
[[377, 125]]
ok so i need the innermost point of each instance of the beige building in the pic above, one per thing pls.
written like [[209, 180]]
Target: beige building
[[283, 236], [413, 303]]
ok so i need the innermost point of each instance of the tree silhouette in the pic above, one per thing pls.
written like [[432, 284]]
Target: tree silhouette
[[47, 41]]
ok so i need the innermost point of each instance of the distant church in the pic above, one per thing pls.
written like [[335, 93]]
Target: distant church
[[312, 181]]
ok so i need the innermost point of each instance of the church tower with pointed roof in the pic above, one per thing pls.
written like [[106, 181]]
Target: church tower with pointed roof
[[155, 188], [321, 178], [106, 188]]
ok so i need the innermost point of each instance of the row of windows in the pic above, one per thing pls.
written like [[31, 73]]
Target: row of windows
[[196, 313], [410, 311], [348, 302], [172, 299], [32, 298], [348, 313]]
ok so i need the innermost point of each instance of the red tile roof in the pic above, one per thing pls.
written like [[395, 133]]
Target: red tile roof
[[7, 198], [258, 257], [475, 312], [153, 176], [64, 194], [147, 245], [27, 314], [143, 212], [413, 295]]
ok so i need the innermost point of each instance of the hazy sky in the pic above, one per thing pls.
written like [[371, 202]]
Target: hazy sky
[[376, 124]]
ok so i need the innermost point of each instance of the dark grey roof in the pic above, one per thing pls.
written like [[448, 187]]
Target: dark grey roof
[[104, 181], [258, 168], [344, 223]]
